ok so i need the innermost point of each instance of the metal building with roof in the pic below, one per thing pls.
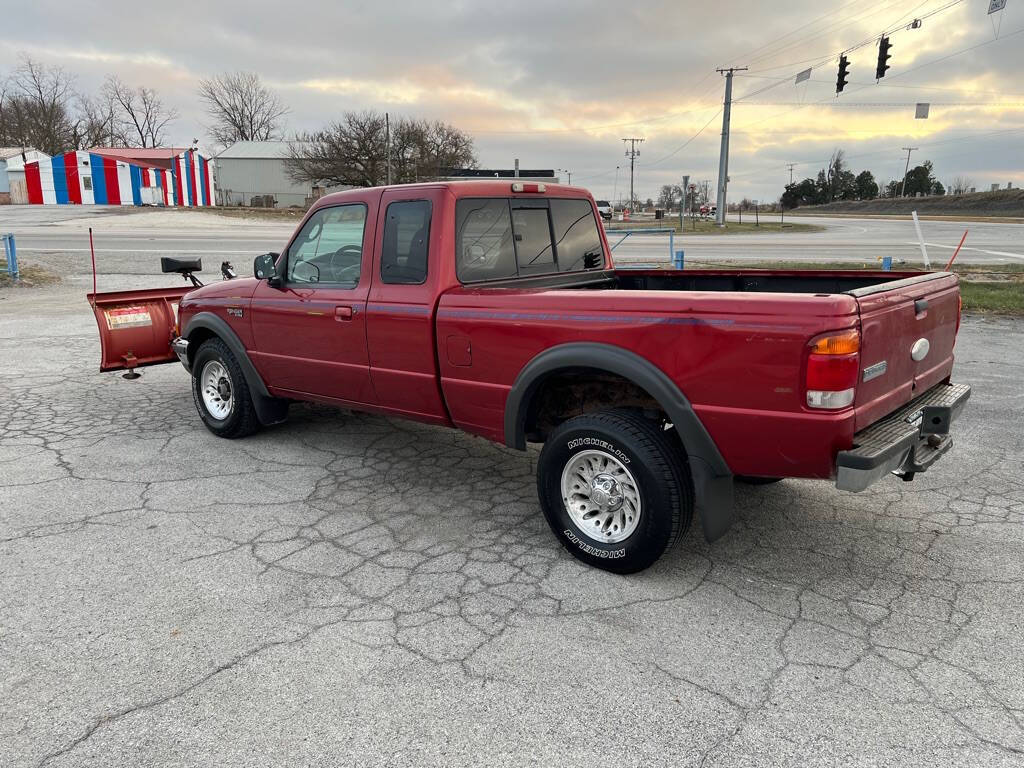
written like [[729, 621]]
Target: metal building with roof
[[12, 172], [154, 157], [103, 177], [250, 172]]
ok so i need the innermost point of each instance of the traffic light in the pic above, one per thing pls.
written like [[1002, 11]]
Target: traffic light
[[844, 73], [883, 57]]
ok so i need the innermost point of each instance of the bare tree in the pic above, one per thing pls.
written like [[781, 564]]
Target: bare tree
[[241, 108], [97, 123], [141, 115], [353, 151], [37, 106]]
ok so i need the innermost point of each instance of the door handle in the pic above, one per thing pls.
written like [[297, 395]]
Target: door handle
[[343, 313]]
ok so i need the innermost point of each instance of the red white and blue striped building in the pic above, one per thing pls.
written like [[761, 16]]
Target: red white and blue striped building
[[93, 178]]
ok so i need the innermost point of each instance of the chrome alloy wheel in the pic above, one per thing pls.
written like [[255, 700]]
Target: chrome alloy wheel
[[601, 496], [215, 384]]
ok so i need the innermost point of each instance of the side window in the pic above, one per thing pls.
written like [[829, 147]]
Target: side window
[[576, 234], [403, 259], [329, 248], [533, 241], [483, 240]]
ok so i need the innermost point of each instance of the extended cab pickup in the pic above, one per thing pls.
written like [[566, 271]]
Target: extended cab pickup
[[495, 308]]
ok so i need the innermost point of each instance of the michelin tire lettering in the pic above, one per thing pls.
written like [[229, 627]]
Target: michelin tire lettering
[[594, 442], [612, 554]]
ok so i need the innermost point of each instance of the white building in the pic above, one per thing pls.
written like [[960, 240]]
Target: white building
[[249, 171], [12, 173]]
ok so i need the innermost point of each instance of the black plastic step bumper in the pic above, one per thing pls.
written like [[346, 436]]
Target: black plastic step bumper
[[906, 441]]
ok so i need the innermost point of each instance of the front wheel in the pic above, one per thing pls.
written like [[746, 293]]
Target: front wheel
[[221, 392], [615, 489]]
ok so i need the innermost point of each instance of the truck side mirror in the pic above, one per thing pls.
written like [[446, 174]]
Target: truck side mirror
[[264, 267]]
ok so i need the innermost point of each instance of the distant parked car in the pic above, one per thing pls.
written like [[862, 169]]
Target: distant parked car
[[605, 209]]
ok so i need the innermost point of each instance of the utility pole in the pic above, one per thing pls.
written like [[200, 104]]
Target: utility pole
[[791, 166], [723, 156], [682, 202], [387, 143], [632, 153], [903, 187]]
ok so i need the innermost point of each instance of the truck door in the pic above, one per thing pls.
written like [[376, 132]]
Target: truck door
[[400, 311], [310, 332]]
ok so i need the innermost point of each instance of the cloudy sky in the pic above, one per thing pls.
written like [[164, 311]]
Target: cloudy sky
[[558, 84]]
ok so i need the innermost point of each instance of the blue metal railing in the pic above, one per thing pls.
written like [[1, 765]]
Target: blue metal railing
[[11, 253], [676, 257]]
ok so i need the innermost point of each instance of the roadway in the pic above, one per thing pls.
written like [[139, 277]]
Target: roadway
[[130, 241], [843, 239]]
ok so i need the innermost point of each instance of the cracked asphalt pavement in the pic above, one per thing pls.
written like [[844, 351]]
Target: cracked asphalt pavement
[[353, 590]]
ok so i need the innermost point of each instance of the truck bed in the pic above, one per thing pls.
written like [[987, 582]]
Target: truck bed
[[723, 280], [735, 342]]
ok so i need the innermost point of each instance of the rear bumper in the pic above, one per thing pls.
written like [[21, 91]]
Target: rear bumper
[[906, 441]]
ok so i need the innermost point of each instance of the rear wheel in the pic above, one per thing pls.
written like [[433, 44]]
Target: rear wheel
[[221, 393], [615, 489]]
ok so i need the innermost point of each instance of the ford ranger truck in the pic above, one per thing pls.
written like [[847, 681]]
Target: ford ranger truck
[[495, 308]]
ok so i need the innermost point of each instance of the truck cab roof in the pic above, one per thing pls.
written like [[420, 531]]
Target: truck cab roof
[[469, 188]]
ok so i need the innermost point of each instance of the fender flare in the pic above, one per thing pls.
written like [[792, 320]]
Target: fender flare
[[712, 478], [269, 409]]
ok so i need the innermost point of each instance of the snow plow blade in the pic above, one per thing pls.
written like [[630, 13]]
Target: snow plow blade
[[136, 327]]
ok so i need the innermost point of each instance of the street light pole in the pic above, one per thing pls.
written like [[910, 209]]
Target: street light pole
[[615, 189]]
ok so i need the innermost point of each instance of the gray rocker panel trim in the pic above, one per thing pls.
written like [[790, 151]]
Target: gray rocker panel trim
[[269, 409], [713, 481]]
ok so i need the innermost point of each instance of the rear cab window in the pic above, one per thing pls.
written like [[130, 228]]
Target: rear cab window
[[498, 238]]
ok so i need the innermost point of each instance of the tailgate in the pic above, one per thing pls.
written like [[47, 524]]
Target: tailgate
[[908, 328], [136, 327]]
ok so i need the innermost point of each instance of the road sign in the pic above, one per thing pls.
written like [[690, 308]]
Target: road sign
[[922, 110], [996, 5], [805, 75]]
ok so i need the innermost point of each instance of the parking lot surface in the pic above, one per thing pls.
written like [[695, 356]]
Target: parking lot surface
[[353, 590]]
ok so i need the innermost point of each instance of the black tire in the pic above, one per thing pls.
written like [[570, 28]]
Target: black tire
[[241, 419], [658, 466], [751, 480]]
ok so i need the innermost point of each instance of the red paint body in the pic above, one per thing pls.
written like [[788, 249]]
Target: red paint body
[[446, 353]]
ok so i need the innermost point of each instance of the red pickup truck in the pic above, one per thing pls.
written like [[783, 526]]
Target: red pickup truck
[[495, 308]]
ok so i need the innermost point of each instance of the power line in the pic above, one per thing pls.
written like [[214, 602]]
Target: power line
[[684, 144], [828, 29], [891, 85], [898, 74], [866, 41]]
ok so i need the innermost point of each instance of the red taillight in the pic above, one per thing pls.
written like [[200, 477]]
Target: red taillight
[[959, 312], [832, 373], [833, 365]]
